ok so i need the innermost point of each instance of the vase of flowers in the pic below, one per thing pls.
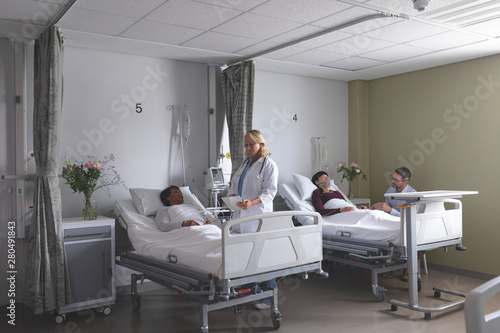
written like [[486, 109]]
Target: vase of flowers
[[350, 173], [90, 176]]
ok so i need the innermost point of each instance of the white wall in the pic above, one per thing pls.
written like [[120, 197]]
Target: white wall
[[101, 90], [321, 109]]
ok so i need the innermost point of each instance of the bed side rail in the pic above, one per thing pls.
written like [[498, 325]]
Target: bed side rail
[[438, 221], [277, 244]]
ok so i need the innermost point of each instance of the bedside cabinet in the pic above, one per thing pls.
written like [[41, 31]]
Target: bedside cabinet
[[90, 258]]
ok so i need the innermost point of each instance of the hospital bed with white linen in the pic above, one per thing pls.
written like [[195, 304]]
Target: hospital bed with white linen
[[375, 240], [211, 264]]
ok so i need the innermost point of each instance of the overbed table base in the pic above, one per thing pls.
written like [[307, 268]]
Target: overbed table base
[[413, 248]]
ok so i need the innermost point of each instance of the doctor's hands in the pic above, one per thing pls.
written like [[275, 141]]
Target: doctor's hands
[[247, 204]]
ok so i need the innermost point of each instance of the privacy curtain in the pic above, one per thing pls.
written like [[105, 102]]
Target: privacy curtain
[[45, 276], [238, 90]]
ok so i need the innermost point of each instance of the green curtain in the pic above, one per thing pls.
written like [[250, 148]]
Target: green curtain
[[238, 91], [45, 275]]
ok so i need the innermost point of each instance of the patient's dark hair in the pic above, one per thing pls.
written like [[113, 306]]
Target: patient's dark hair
[[403, 172], [316, 176], [166, 193]]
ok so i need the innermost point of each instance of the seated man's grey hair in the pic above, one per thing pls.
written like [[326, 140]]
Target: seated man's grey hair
[[403, 172]]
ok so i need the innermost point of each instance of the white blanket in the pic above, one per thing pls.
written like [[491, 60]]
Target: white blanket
[[366, 224], [198, 247], [338, 203]]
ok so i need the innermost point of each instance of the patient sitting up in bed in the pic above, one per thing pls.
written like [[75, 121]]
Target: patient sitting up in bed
[[176, 213], [328, 201]]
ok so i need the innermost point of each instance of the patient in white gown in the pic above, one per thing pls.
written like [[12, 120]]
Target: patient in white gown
[[176, 214]]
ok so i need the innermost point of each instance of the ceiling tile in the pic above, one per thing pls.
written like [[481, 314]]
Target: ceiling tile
[[219, 42], [160, 32], [325, 39], [314, 57], [34, 12], [344, 16], [405, 31], [129, 8], [283, 53], [396, 53], [295, 34], [258, 47], [488, 28], [95, 22], [446, 40], [353, 63], [192, 14], [356, 45], [256, 26], [300, 10], [235, 4]]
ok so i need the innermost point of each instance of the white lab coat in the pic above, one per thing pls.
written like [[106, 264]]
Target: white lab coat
[[265, 188]]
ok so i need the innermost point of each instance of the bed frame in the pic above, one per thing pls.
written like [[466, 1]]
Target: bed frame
[[438, 226], [276, 249]]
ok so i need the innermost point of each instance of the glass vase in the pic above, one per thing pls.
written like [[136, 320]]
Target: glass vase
[[89, 210], [350, 195]]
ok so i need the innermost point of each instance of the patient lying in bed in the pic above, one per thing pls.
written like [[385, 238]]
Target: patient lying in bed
[[328, 201], [176, 213]]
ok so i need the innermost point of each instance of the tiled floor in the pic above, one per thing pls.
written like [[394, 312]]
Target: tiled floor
[[341, 303]]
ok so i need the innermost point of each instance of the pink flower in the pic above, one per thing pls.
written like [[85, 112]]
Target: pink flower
[[89, 165]]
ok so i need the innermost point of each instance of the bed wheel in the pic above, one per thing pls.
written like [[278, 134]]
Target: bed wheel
[[379, 296], [276, 318], [60, 318], [437, 294], [419, 285], [427, 316], [106, 310], [136, 301], [394, 307]]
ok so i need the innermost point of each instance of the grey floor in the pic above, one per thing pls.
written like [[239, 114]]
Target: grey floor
[[341, 303]]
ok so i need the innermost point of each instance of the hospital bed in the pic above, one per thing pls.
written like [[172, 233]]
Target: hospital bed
[[476, 318], [375, 240], [212, 264]]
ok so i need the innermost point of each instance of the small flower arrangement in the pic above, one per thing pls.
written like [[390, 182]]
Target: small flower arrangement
[[350, 173], [89, 177]]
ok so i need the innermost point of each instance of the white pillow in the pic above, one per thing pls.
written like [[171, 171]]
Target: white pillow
[[304, 185], [147, 201]]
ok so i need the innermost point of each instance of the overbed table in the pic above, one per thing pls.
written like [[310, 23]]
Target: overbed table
[[412, 199]]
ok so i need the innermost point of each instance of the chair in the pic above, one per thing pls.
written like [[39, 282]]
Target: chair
[[476, 321]]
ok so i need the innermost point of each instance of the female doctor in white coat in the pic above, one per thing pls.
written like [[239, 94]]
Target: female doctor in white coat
[[256, 181]]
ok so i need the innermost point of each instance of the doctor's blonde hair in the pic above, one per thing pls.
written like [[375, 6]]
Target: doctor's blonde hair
[[257, 137]]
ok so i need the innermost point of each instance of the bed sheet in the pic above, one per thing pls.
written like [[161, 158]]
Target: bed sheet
[[197, 247], [364, 224]]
